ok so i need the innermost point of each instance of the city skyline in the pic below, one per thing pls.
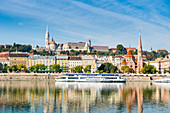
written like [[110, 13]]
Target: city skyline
[[73, 21]]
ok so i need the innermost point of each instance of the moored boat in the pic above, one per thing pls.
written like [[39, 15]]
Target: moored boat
[[164, 80], [90, 78]]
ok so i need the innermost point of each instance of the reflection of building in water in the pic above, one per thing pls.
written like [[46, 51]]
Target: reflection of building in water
[[33, 96]]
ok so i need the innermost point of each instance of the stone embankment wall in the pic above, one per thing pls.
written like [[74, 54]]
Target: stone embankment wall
[[51, 76], [142, 78], [28, 76]]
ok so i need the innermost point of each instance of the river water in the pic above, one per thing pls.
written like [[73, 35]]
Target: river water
[[49, 97]]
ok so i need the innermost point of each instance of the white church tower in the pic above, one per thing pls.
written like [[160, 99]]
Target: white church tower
[[47, 36]]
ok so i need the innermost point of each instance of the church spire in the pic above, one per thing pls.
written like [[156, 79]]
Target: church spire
[[140, 42], [140, 60], [47, 37], [47, 29]]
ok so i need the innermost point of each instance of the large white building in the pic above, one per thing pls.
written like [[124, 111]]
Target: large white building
[[55, 47]]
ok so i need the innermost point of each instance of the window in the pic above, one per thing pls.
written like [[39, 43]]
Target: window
[[72, 77]]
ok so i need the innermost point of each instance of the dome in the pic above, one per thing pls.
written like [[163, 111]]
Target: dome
[[53, 42]]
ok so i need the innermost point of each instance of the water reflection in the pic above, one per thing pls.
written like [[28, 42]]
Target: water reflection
[[48, 97]]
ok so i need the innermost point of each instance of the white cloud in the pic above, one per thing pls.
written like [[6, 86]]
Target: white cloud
[[112, 21]]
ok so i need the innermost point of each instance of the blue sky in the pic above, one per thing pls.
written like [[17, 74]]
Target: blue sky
[[105, 22]]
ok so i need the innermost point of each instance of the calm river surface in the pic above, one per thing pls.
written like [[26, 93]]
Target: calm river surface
[[49, 97]]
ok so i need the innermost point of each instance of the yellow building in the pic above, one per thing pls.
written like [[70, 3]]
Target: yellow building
[[63, 62], [18, 58], [49, 60]]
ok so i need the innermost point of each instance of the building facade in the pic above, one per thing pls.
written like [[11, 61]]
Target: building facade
[[49, 60], [16, 58], [89, 60], [73, 62], [55, 47]]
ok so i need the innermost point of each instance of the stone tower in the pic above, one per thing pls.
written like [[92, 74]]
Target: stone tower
[[140, 60], [47, 38]]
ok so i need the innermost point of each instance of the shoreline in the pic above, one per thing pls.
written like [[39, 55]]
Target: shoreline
[[52, 76]]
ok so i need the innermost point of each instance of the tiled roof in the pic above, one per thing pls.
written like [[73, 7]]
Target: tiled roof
[[132, 48], [74, 58], [101, 48], [124, 62], [80, 45], [129, 53], [113, 48], [18, 55]]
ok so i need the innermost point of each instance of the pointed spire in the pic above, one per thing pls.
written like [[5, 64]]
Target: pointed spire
[[52, 38], [129, 47], [139, 33], [47, 29], [140, 42]]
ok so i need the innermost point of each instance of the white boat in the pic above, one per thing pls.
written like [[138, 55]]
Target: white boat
[[164, 80], [89, 78]]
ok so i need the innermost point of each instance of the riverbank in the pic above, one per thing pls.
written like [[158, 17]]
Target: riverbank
[[28, 76], [52, 76]]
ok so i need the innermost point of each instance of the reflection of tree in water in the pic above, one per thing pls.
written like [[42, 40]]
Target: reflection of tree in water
[[58, 99], [14, 99]]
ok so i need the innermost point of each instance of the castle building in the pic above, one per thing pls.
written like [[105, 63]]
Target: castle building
[[135, 63], [55, 47]]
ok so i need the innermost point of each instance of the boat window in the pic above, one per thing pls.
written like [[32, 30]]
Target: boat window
[[110, 78], [63, 78], [82, 77], [72, 77]]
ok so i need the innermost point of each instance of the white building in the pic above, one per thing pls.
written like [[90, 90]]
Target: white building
[[73, 62]]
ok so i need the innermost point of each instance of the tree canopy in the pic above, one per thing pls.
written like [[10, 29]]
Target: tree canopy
[[87, 69], [108, 68], [148, 69], [78, 69]]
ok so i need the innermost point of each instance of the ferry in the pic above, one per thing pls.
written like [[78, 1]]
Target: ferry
[[89, 78], [164, 80]]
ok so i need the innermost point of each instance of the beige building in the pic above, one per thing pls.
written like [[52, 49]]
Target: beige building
[[73, 62], [116, 60], [18, 58], [89, 60]]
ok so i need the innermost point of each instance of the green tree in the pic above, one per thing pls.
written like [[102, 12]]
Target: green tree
[[87, 68], [148, 69], [78, 69], [31, 69], [20, 66], [10, 69], [14, 68], [106, 67], [50, 67], [121, 49], [42, 67], [56, 68], [36, 68], [124, 68]]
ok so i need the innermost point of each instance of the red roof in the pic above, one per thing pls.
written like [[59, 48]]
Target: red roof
[[132, 48], [129, 53]]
